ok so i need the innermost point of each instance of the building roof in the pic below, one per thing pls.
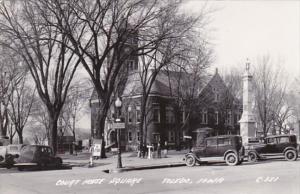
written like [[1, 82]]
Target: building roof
[[166, 84]]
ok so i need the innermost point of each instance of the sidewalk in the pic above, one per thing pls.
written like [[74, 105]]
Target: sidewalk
[[130, 161]]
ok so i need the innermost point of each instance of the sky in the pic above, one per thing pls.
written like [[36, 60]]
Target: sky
[[247, 29]]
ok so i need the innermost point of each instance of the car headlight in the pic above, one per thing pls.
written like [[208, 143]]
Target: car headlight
[[192, 150]]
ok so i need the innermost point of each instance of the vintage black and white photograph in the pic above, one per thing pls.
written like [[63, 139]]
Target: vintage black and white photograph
[[149, 96]]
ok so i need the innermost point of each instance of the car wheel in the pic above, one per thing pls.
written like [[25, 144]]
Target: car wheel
[[190, 160], [252, 157], [290, 155], [231, 159]]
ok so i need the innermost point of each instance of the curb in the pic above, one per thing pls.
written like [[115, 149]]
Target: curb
[[125, 169]]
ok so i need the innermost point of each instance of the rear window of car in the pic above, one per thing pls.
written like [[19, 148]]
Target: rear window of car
[[211, 142], [224, 141], [283, 139]]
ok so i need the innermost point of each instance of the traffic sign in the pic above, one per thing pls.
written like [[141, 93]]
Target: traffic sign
[[118, 125]]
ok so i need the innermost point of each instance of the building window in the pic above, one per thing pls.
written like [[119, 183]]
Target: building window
[[217, 97], [182, 116], [204, 117], [237, 118], [129, 114], [229, 118], [156, 115], [129, 136], [170, 118], [171, 136], [138, 114], [131, 65], [217, 117]]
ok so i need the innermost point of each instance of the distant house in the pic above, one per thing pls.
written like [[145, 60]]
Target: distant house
[[215, 112]]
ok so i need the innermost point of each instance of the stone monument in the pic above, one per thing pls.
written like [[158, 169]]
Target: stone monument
[[247, 122]]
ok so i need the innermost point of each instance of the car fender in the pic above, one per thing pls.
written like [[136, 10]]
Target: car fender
[[251, 151], [290, 148], [192, 154], [230, 151]]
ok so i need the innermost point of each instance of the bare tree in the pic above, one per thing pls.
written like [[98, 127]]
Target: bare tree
[[38, 134], [74, 106], [44, 50], [39, 116], [21, 102], [186, 78], [270, 90], [99, 32], [10, 78]]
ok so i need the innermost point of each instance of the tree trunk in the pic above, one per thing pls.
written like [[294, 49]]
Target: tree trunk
[[53, 132], [100, 135], [3, 126], [102, 114], [143, 115], [20, 135], [74, 135]]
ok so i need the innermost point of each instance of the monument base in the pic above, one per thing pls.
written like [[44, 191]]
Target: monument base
[[247, 131]]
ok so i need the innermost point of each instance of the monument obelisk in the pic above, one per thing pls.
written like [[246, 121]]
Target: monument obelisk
[[247, 122]]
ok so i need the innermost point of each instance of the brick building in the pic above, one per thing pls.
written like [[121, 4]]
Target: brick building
[[215, 112]]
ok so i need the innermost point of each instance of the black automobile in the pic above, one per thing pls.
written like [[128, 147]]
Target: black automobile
[[277, 145], [37, 156], [225, 147]]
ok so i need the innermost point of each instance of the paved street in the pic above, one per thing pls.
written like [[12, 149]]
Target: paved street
[[276, 176]]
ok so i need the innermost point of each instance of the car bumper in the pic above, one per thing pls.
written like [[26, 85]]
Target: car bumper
[[26, 164]]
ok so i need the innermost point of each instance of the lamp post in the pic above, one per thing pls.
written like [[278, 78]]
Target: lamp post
[[118, 104]]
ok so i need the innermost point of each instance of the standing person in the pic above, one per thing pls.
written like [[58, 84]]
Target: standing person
[[144, 150], [166, 149], [139, 155], [158, 150]]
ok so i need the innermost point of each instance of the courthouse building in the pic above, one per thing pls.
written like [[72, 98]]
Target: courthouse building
[[216, 112]]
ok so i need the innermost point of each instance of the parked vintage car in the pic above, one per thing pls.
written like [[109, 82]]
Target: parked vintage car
[[37, 156], [276, 145], [9, 154], [225, 147]]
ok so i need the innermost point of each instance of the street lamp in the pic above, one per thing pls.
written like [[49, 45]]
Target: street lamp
[[118, 104]]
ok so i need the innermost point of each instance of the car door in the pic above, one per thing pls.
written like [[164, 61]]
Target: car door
[[270, 147], [224, 144], [211, 149]]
